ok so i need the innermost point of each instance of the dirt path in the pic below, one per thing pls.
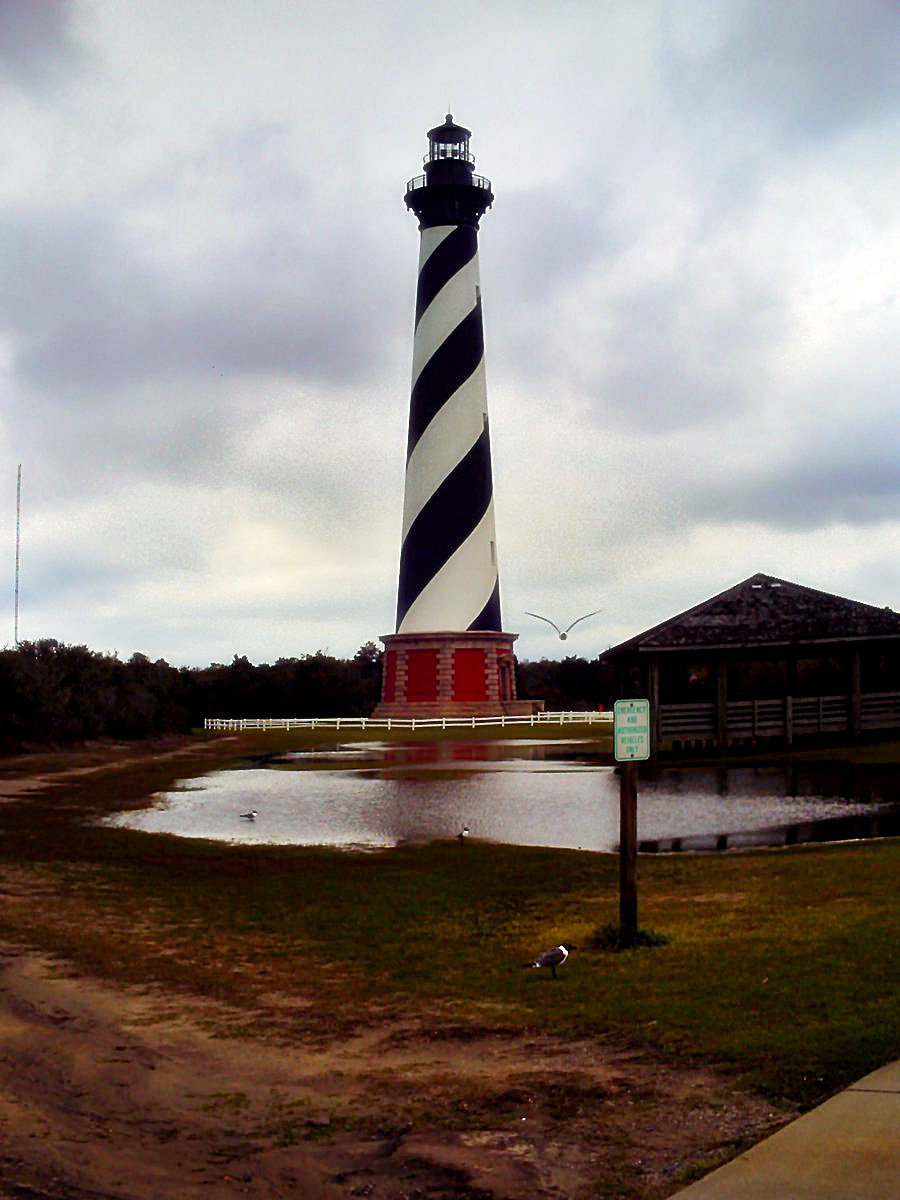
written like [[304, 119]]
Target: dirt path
[[107, 1092], [26, 773]]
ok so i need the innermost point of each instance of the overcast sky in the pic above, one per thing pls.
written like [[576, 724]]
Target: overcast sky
[[207, 285]]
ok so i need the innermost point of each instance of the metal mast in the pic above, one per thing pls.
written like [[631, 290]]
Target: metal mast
[[18, 538]]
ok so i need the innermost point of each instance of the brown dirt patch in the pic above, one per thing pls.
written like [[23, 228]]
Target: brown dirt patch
[[114, 1092]]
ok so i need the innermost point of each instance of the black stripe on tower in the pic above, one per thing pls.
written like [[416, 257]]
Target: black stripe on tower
[[446, 519], [489, 617], [454, 252], [446, 371]]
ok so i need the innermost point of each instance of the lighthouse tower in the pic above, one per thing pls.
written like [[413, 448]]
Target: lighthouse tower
[[448, 656]]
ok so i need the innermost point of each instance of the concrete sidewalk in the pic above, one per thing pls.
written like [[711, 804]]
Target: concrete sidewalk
[[846, 1149]]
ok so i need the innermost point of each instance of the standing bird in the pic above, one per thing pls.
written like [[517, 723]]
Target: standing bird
[[563, 633], [551, 958]]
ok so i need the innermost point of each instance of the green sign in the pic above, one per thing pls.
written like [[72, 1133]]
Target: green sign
[[631, 730]]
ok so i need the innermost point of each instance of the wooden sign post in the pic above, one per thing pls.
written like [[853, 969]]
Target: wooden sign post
[[628, 915], [631, 739]]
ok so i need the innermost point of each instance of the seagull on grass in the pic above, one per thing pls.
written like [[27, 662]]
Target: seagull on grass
[[563, 633], [551, 958]]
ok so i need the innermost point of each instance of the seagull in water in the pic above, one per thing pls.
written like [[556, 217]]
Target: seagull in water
[[563, 633], [551, 958], [249, 816]]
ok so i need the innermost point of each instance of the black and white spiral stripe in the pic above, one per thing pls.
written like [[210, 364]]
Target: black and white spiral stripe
[[448, 561]]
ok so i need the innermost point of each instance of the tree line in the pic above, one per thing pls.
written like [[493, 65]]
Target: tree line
[[57, 694]]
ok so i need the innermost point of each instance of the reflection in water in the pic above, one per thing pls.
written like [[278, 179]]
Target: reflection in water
[[523, 793]]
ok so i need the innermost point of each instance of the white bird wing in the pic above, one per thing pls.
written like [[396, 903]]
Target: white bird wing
[[547, 619], [584, 618]]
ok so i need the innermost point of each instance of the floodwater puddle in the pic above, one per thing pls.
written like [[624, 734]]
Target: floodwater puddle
[[525, 793]]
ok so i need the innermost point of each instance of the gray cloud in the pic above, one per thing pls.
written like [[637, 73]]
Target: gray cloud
[[86, 307], [676, 360], [811, 68], [206, 308], [544, 241], [36, 43], [854, 480]]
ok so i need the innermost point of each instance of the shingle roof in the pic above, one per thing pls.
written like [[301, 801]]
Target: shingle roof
[[762, 611]]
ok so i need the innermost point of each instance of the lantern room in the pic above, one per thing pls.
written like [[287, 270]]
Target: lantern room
[[448, 159]]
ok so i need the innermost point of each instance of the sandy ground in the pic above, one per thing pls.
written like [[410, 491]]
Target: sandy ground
[[129, 1093]]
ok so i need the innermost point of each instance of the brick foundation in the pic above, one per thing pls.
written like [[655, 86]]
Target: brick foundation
[[449, 675]]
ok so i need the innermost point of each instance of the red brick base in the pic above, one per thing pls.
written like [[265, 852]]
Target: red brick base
[[449, 675]]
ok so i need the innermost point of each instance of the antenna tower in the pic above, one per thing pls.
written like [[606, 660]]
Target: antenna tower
[[18, 538]]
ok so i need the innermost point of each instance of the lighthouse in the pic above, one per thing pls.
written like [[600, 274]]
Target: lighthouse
[[448, 656]]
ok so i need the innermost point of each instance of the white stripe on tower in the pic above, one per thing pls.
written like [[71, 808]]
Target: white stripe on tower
[[460, 584], [448, 561], [449, 436], [455, 300]]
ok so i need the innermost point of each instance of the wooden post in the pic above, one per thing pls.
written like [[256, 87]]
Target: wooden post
[[653, 697], [855, 705], [721, 704], [792, 672], [628, 919]]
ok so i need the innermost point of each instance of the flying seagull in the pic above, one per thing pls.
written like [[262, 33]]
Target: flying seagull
[[551, 958], [563, 633]]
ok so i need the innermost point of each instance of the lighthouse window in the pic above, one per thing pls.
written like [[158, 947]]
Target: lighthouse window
[[449, 150]]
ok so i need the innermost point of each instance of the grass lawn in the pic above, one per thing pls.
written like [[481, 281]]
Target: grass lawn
[[782, 964]]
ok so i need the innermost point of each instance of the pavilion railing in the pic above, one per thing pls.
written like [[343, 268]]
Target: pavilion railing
[[880, 710], [771, 718]]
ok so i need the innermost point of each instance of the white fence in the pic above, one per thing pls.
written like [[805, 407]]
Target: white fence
[[264, 724], [747, 718]]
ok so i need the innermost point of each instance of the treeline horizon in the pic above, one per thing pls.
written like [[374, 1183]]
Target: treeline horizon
[[53, 694]]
